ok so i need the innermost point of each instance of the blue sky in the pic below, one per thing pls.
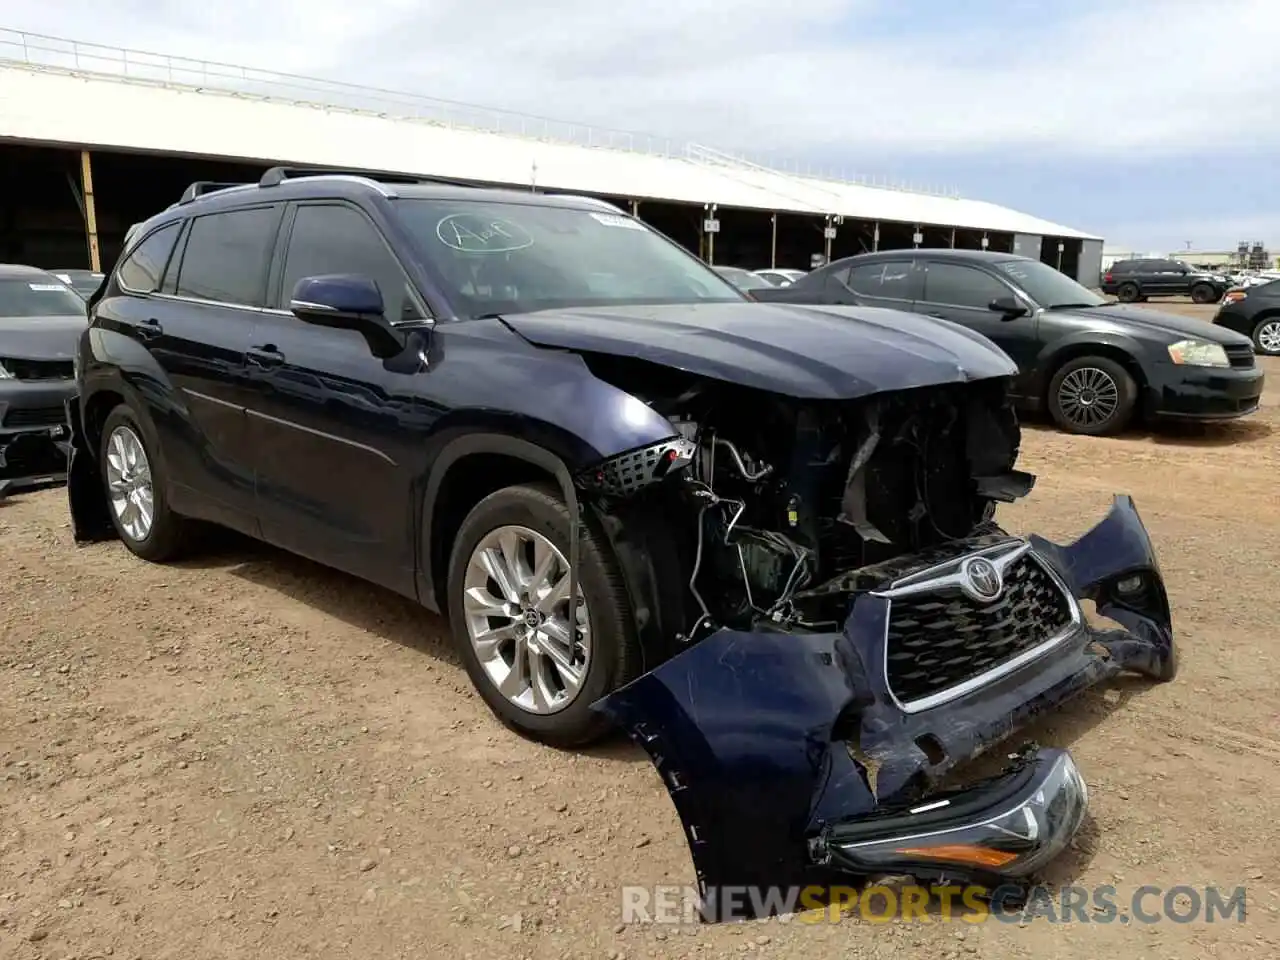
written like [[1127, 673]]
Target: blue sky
[[1151, 122]]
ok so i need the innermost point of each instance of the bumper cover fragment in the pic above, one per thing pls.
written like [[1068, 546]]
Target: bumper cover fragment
[[790, 762]]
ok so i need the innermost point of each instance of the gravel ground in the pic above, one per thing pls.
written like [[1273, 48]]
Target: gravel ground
[[251, 756]]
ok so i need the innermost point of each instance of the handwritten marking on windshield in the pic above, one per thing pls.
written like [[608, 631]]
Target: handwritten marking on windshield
[[470, 233]]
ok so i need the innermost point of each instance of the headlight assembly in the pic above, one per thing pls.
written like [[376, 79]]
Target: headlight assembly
[[1198, 353]]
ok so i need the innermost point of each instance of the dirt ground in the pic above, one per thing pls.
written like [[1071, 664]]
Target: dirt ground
[[250, 756]]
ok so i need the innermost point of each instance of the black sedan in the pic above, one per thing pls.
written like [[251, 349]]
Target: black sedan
[[1094, 365], [40, 321], [1254, 312]]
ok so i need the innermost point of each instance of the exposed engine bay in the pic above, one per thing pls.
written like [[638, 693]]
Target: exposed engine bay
[[787, 503]]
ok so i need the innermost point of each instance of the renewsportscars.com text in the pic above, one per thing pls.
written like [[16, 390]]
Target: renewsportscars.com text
[[937, 904]]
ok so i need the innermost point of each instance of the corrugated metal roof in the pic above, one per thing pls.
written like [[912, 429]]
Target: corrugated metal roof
[[59, 105]]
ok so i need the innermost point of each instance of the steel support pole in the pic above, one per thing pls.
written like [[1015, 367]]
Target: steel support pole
[[90, 214]]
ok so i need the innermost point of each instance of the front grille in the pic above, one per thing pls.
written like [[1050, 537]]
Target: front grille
[[938, 640], [50, 416], [39, 369], [1241, 355]]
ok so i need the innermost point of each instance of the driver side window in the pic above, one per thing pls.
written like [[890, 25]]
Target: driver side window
[[335, 238], [951, 285]]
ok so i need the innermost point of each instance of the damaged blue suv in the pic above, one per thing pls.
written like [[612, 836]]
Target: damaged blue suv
[[758, 537]]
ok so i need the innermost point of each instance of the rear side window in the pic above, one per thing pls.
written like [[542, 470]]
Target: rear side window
[[227, 255], [141, 270], [888, 279]]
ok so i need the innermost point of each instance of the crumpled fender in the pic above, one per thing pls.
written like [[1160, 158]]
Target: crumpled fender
[[764, 738]]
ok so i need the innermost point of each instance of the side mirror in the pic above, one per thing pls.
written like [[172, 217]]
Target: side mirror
[[1010, 308], [346, 302]]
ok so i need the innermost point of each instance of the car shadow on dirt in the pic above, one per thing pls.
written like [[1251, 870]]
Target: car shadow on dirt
[[355, 602]]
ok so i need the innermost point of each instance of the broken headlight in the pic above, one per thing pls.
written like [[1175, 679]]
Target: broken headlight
[[1009, 828]]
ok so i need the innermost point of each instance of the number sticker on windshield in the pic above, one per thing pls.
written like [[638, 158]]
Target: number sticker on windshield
[[616, 220], [471, 233], [46, 287]]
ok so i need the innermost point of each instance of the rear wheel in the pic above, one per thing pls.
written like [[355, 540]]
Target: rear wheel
[[1203, 293], [508, 609], [1128, 293], [1093, 396], [133, 479], [1266, 336]]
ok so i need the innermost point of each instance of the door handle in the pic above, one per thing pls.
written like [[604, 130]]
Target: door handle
[[265, 356], [149, 329]]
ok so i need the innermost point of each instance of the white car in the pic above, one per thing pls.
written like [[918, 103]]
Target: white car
[[780, 277]]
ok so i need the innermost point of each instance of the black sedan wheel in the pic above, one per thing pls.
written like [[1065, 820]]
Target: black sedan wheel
[[1266, 336], [1093, 396]]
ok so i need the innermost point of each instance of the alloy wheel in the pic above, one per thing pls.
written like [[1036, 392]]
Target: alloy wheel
[[1088, 396], [516, 600], [129, 486], [1268, 336]]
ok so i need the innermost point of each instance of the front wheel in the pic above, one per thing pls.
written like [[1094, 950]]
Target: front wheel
[[509, 613], [1266, 336], [1093, 396]]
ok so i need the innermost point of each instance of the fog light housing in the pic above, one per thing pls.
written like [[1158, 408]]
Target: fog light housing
[[1130, 586]]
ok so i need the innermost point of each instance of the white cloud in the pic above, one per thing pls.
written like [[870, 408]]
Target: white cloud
[[1142, 76]]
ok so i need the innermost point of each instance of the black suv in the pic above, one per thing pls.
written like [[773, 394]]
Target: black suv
[[1132, 281], [736, 530], [1092, 364]]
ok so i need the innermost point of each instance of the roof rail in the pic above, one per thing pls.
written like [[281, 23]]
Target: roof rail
[[278, 175], [201, 187]]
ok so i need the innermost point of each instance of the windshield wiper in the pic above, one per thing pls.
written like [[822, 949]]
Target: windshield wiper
[[1075, 306]]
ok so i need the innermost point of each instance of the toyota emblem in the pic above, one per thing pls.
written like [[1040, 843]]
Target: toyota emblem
[[981, 580]]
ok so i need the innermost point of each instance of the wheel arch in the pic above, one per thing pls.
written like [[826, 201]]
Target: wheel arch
[[466, 470], [1111, 348]]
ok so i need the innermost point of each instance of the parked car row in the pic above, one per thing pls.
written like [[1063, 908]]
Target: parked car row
[[734, 529]]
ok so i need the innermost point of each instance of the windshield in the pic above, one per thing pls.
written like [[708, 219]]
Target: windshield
[[1048, 287], [36, 296], [506, 258]]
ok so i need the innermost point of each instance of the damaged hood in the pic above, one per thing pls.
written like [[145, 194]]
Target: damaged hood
[[40, 338], [807, 352]]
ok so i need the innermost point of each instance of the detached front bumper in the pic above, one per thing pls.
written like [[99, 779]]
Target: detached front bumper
[[791, 761], [34, 435]]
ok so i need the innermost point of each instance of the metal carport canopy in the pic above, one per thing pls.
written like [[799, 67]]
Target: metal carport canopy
[[84, 109]]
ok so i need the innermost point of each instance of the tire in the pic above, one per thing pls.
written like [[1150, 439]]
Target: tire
[[165, 536], [1128, 293], [1266, 336], [1108, 389], [1203, 293], [613, 658]]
